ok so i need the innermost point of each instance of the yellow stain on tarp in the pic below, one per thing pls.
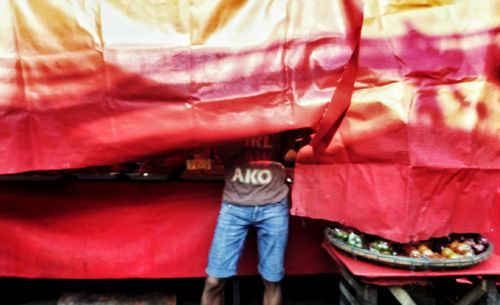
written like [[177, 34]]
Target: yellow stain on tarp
[[49, 26], [180, 14], [390, 18], [157, 13], [222, 13], [394, 6]]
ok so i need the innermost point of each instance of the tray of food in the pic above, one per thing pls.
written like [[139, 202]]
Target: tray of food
[[451, 252], [51, 175]]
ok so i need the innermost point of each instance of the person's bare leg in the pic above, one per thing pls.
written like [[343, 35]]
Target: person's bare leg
[[272, 293], [213, 291]]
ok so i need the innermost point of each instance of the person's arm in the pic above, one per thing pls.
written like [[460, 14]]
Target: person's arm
[[293, 141], [290, 156]]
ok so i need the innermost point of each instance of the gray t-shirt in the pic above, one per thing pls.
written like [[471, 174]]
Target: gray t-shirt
[[251, 175]]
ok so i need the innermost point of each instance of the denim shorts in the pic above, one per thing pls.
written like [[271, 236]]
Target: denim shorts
[[271, 223]]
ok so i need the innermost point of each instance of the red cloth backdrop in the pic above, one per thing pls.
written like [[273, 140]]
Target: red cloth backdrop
[[417, 154], [128, 230], [101, 82]]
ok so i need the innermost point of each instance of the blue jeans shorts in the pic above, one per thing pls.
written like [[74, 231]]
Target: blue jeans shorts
[[271, 223]]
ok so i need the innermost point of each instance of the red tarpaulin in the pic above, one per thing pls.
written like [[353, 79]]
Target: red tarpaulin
[[88, 83], [128, 230], [417, 154]]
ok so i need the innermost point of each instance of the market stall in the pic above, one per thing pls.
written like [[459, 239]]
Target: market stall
[[402, 96]]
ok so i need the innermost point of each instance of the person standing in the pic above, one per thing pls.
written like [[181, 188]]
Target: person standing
[[255, 194]]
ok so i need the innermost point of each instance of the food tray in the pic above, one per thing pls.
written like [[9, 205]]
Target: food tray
[[407, 262], [110, 176], [148, 176], [16, 177]]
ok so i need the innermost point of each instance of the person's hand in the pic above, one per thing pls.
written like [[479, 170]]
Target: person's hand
[[289, 174], [290, 156]]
